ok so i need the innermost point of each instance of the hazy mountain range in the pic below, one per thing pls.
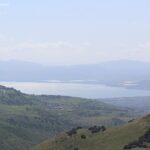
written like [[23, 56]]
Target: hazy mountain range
[[131, 74]]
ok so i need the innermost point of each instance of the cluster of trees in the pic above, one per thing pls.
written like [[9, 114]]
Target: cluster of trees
[[96, 129], [73, 131]]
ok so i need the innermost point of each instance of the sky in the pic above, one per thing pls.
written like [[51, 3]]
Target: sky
[[65, 32]]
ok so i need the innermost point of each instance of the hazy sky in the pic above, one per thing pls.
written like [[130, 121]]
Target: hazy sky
[[58, 32]]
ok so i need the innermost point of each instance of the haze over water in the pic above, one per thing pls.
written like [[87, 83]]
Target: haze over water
[[75, 89]]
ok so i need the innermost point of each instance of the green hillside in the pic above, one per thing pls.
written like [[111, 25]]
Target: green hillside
[[115, 138], [26, 120]]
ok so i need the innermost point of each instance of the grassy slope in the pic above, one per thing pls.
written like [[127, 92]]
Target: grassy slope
[[112, 139], [26, 120]]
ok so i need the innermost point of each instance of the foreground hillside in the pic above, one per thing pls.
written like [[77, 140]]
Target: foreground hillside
[[135, 136], [26, 120]]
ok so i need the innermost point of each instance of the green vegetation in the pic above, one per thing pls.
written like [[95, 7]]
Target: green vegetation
[[114, 138], [26, 120]]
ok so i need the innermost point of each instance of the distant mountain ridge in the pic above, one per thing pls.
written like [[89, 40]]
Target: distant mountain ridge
[[130, 74]]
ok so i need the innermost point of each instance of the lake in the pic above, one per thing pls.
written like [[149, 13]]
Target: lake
[[74, 89]]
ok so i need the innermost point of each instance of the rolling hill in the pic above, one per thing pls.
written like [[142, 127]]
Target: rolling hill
[[140, 103], [132, 136], [26, 120]]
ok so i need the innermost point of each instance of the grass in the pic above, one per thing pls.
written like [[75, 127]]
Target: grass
[[114, 138], [26, 120]]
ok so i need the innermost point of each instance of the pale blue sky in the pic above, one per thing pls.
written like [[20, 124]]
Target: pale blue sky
[[74, 32]]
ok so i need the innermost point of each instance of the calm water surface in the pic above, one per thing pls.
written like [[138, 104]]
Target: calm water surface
[[74, 89]]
